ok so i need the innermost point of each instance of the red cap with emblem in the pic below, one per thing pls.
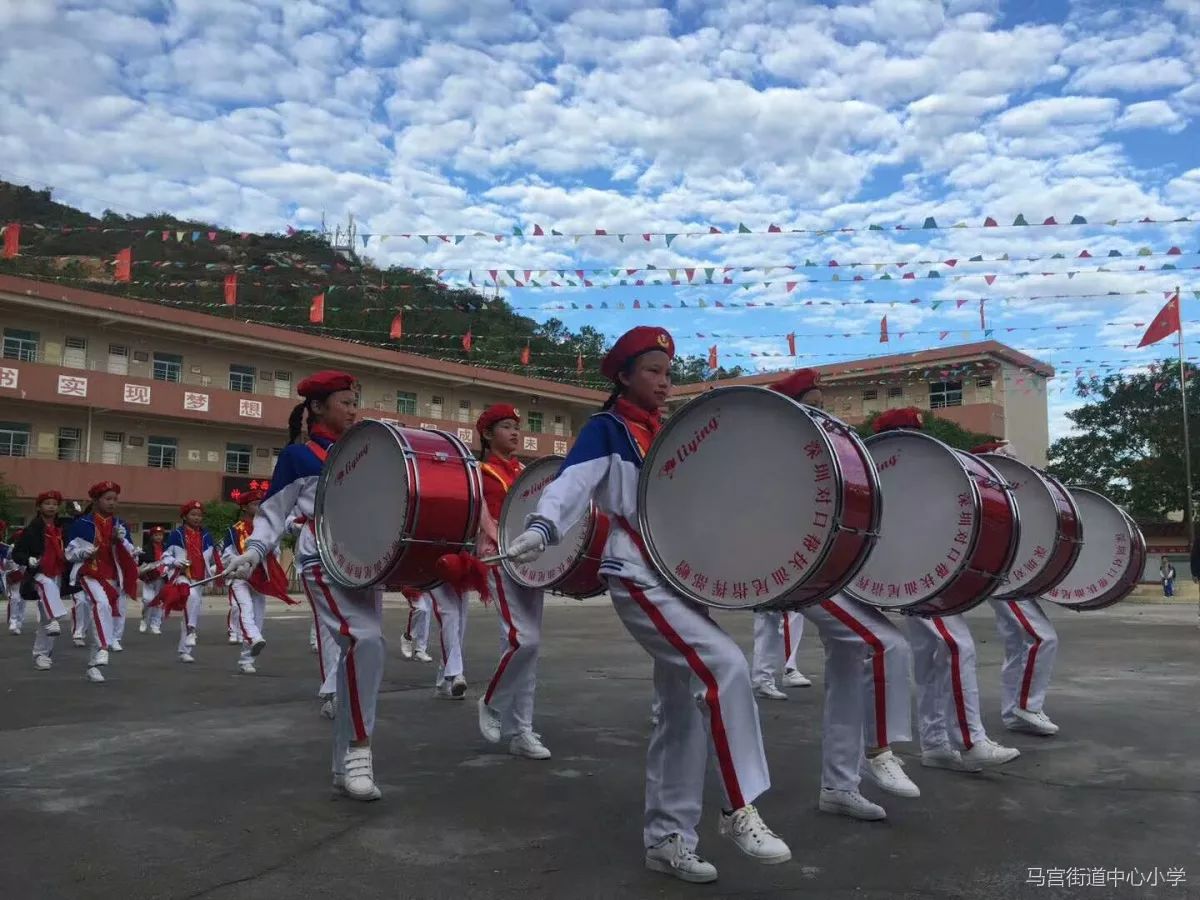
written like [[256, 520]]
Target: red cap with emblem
[[798, 383], [100, 488], [497, 412], [258, 490], [189, 506], [322, 384], [888, 420], [48, 495], [634, 343]]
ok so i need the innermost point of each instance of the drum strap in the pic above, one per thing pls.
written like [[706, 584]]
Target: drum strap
[[505, 483], [318, 451]]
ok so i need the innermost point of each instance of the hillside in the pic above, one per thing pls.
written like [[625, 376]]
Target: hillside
[[184, 263]]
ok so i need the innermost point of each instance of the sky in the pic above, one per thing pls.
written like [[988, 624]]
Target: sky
[[441, 117]]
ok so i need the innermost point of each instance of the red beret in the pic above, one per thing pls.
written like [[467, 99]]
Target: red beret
[[254, 495], [798, 383], [157, 529], [3, 527], [989, 447], [189, 506], [909, 417], [103, 487], [497, 412], [634, 343], [322, 384], [47, 495]]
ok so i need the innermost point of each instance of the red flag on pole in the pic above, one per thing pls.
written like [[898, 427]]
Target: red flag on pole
[[230, 290], [12, 240], [791, 338], [316, 310], [467, 341], [397, 331], [1165, 324], [579, 364], [883, 333], [712, 357], [123, 271], [525, 355]]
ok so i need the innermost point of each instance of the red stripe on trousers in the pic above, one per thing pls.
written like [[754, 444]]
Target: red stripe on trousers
[[711, 691], [1031, 662], [787, 639], [960, 706], [437, 614], [513, 643], [317, 625], [96, 617], [241, 624], [45, 599], [408, 626], [360, 731], [878, 672]]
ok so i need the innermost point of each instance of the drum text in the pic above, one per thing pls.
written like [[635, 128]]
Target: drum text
[[351, 464], [537, 488], [686, 449]]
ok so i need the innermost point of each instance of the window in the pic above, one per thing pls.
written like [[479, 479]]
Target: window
[[14, 438], [945, 393], [118, 359], [161, 452], [241, 378], [237, 458], [464, 410], [168, 367], [275, 451], [283, 383], [558, 426], [110, 450], [69, 442], [895, 392], [983, 382], [22, 345], [75, 353], [535, 422], [406, 403], [871, 394], [435, 406]]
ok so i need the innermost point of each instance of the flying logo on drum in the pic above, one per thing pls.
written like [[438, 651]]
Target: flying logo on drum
[[684, 450]]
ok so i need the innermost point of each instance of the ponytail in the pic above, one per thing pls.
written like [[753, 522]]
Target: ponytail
[[485, 447], [617, 390], [299, 421]]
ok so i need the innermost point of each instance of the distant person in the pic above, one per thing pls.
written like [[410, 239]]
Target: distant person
[[1166, 574]]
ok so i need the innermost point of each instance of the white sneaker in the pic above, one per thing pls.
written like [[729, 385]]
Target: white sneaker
[[234, 639], [768, 691], [42, 662], [155, 629], [850, 803], [528, 745], [327, 710], [887, 771], [190, 640], [1032, 723], [143, 627], [99, 658], [78, 640], [247, 669], [442, 690], [946, 757], [422, 656], [257, 647], [115, 646], [489, 722], [14, 628], [751, 835], [358, 781], [313, 647], [186, 658], [792, 678], [54, 629], [458, 687], [94, 675], [988, 753], [406, 647], [671, 857]]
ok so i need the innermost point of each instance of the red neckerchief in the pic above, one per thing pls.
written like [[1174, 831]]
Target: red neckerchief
[[242, 530], [320, 451], [158, 551], [53, 559], [193, 543], [102, 564], [503, 470], [642, 423]]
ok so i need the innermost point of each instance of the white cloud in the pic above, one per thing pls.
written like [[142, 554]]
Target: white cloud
[[1151, 114]]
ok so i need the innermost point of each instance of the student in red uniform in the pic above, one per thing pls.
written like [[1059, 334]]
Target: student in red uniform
[[190, 547], [701, 677], [506, 708], [41, 552], [153, 573]]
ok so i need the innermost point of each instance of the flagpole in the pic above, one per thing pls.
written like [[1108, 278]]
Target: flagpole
[[1187, 446]]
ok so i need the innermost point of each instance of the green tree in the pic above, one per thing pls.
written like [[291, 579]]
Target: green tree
[[1129, 445], [943, 429], [8, 504], [218, 516]]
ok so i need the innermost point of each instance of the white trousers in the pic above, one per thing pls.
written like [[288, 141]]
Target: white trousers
[[249, 611], [1030, 648], [702, 689], [417, 627], [450, 610], [511, 690], [50, 608], [16, 603], [328, 651], [152, 615], [355, 619], [190, 621], [868, 701], [93, 615], [119, 616], [776, 640], [947, 684]]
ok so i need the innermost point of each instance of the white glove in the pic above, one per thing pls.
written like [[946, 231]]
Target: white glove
[[527, 547], [32, 564], [121, 532], [243, 564]]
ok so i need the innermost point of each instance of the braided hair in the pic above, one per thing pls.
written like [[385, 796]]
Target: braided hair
[[300, 421]]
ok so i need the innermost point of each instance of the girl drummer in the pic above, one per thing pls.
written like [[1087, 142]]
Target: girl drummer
[[354, 617], [506, 708], [701, 678], [190, 547]]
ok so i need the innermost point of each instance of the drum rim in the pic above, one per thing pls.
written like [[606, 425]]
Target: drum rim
[[474, 497], [1014, 540], [652, 553], [502, 544], [976, 500], [1118, 592]]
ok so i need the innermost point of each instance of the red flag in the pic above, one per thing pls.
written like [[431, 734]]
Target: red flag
[[468, 341], [525, 355], [1165, 324], [712, 357], [12, 240], [883, 333], [397, 331], [791, 338], [230, 290], [579, 364], [123, 271], [316, 310]]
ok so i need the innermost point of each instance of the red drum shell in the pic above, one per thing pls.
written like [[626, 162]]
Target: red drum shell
[[584, 580], [1103, 574]]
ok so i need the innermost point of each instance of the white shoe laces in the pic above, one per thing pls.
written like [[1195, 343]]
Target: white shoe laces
[[681, 855], [890, 764], [747, 821]]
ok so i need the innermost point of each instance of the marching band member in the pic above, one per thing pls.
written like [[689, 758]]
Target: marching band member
[[1030, 649], [949, 723], [153, 573], [41, 552], [867, 696], [450, 605], [355, 617], [10, 583], [776, 637], [506, 708], [193, 554], [103, 566], [701, 677], [415, 642]]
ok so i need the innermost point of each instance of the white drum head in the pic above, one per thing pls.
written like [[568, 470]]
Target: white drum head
[[522, 501], [1104, 559], [1039, 522], [738, 497], [362, 504], [930, 517]]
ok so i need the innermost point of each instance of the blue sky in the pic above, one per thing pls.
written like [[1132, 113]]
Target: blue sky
[[444, 117]]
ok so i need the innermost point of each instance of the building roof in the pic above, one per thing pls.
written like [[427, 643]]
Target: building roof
[[876, 365], [193, 325]]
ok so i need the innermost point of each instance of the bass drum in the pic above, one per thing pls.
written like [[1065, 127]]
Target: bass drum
[[750, 500], [391, 500], [949, 533], [572, 565], [1111, 561]]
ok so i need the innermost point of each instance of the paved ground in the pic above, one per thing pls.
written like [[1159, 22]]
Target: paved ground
[[182, 782]]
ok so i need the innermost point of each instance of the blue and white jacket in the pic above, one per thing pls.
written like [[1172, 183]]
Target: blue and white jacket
[[81, 542], [175, 551], [603, 466], [291, 497]]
